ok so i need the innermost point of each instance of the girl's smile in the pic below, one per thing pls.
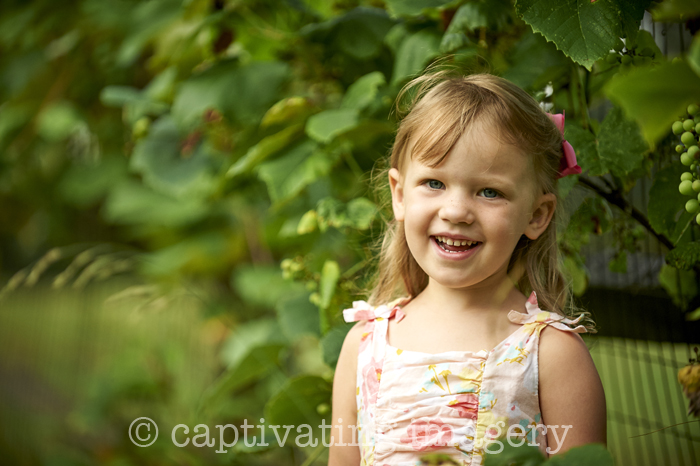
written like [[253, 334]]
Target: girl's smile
[[464, 217]]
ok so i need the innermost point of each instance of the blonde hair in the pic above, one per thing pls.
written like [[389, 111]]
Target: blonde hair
[[443, 106]]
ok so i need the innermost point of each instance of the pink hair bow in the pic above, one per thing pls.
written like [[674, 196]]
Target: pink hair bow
[[568, 165]]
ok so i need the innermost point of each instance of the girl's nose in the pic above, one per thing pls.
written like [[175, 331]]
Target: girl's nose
[[458, 211]]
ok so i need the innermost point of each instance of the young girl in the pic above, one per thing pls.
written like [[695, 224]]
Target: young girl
[[469, 356]]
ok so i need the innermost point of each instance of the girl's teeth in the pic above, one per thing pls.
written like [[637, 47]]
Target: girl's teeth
[[454, 242]]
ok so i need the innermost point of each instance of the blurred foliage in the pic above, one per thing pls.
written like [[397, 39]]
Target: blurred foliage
[[219, 152]]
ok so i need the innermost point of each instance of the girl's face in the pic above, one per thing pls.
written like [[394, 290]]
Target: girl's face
[[483, 191]]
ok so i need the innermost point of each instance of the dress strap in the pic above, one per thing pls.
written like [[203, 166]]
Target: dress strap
[[379, 317], [535, 315]]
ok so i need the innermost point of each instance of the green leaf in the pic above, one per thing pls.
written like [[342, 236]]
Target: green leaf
[[577, 274], [586, 147], [584, 31], [414, 53], [363, 91], [249, 335], [241, 93], [325, 126], [296, 403], [535, 62], [413, 7], [329, 279], [307, 223], [332, 342], [593, 454], [679, 284], [158, 157], [359, 33], [620, 143], [286, 176], [361, 212], [265, 148], [57, 121], [693, 55], [666, 203], [695, 315], [261, 285], [85, 185], [256, 364], [671, 10], [525, 454], [631, 13], [685, 256], [655, 97], [298, 316], [618, 263], [131, 203]]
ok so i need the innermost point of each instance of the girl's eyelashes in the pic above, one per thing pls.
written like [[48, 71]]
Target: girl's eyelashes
[[434, 184], [489, 193]]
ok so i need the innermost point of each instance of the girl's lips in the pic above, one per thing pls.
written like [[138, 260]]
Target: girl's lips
[[454, 255]]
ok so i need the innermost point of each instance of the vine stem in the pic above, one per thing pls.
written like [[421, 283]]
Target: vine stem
[[616, 198], [659, 430]]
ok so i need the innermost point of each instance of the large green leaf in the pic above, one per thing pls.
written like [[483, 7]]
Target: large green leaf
[[332, 342], [288, 175], [254, 365], [262, 285], [619, 147], [358, 33], [681, 285], [297, 401], [161, 162], [363, 91], [298, 316], [584, 31], [535, 62], [132, 203], [414, 53], [685, 256], [620, 143], [264, 149], [666, 204], [655, 97], [325, 126], [413, 7], [241, 93]]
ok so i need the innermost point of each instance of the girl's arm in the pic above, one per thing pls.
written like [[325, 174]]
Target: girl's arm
[[344, 404], [570, 390]]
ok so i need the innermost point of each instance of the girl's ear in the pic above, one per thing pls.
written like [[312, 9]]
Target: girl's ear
[[396, 194], [541, 215]]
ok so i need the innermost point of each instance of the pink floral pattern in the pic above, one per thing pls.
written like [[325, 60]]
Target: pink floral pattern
[[427, 434], [453, 402]]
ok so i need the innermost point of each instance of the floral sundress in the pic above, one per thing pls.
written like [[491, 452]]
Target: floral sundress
[[456, 402]]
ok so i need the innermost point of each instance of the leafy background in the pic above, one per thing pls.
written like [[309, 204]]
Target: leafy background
[[185, 201]]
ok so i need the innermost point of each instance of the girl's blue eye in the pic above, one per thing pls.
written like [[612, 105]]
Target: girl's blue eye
[[435, 184], [489, 190]]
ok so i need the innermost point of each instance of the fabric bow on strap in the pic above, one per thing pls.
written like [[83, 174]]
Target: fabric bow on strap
[[568, 165], [362, 310]]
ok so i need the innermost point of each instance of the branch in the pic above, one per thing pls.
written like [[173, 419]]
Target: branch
[[616, 198]]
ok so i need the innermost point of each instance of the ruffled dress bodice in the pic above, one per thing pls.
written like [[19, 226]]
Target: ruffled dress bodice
[[456, 402]]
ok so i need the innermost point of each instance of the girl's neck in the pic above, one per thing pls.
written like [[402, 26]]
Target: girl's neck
[[480, 300]]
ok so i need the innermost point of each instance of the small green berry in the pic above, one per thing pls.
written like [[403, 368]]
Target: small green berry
[[688, 125], [696, 186], [692, 206], [687, 176], [693, 109], [677, 127], [676, 60], [687, 138], [697, 219], [626, 59], [694, 152], [697, 128], [686, 188], [686, 159], [680, 148]]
